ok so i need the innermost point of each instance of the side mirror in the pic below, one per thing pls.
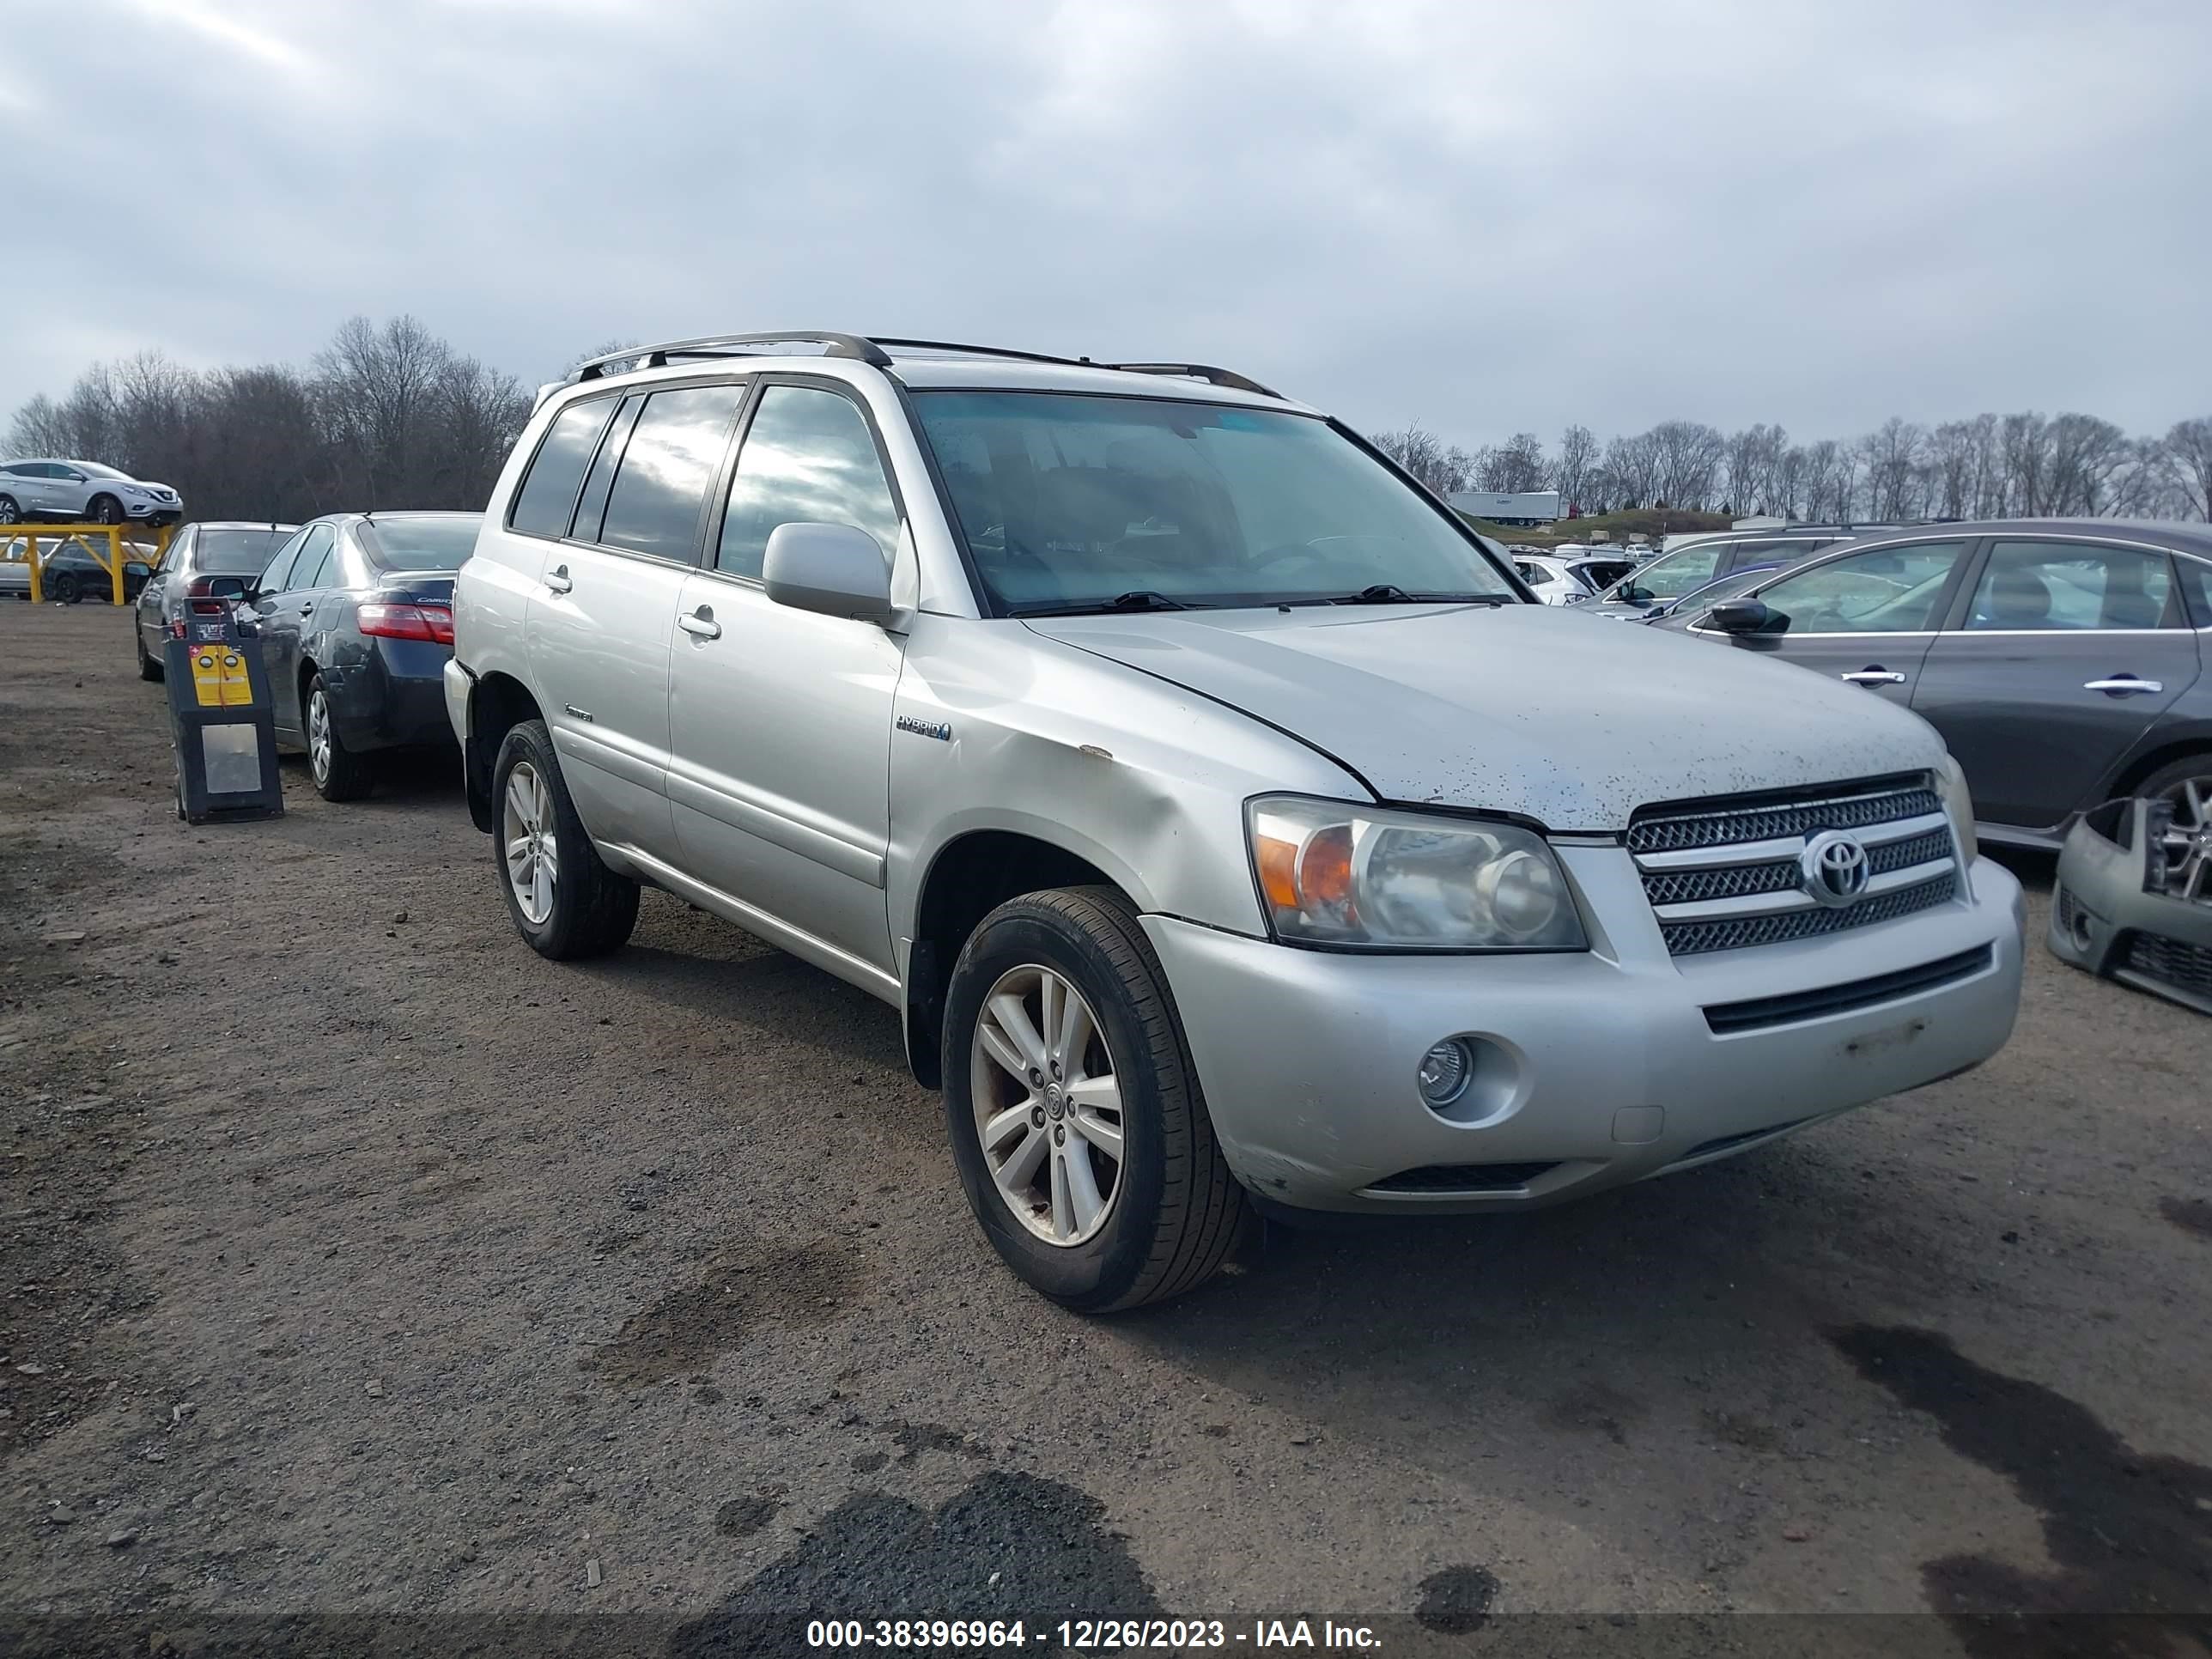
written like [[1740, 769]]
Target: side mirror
[[831, 568], [1746, 616]]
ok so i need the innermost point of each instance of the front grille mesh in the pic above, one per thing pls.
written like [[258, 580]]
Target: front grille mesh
[[1689, 938], [1671, 831], [1719, 824], [2187, 968]]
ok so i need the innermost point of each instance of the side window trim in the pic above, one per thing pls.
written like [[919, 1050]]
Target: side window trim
[[718, 503]]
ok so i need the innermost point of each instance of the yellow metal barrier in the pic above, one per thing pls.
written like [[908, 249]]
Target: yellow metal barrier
[[62, 534]]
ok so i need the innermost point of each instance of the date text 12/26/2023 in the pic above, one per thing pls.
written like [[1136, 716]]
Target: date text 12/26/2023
[[1084, 1635]]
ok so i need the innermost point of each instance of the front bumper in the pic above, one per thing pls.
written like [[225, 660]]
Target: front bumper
[[2104, 919], [1598, 1067]]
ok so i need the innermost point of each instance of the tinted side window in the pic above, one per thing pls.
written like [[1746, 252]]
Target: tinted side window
[[547, 495], [280, 568], [314, 558], [1678, 573], [2197, 587], [592, 510], [2056, 587], [667, 468], [1886, 590], [808, 458], [1534, 575]]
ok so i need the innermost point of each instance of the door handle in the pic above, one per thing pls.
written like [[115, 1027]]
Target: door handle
[[558, 579], [2121, 685], [700, 624], [1876, 676]]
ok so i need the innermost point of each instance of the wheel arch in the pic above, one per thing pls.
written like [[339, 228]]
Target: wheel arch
[[968, 877], [498, 703], [2179, 746]]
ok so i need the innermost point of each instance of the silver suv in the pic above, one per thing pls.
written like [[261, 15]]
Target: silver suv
[[81, 492], [1230, 830]]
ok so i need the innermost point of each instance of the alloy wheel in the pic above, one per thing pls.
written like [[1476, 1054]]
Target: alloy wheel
[[319, 735], [1048, 1105], [2187, 839], [532, 860]]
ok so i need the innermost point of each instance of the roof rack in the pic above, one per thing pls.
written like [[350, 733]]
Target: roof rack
[[1205, 372], [873, 351], [728, 345]]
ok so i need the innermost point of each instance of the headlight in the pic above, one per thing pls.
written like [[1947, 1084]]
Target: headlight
[[1951, 789], [1367, 878]]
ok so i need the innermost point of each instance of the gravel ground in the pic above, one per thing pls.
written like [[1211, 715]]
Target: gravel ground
[[359, 1262]]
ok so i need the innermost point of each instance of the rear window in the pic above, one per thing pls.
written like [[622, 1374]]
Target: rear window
[[548, 496], [236, 552], [422, 544]]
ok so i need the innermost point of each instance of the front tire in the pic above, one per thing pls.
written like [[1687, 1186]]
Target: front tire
[[105, 509], [1078, 1127], [66, 588], [339, 774], [565, 901]]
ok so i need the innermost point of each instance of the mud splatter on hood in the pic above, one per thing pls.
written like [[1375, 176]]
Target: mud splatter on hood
[[1568, 719]]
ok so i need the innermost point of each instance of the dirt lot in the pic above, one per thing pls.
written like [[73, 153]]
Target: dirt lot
[[356, 1261]]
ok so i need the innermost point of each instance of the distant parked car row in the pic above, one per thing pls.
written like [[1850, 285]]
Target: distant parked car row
[[356, 624], [82, 492]]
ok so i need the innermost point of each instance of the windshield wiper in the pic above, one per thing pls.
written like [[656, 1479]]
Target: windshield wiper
[[1137, 599], [1391, 594]]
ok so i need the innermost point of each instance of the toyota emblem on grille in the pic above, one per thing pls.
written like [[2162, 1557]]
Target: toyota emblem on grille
[[1832, 868]]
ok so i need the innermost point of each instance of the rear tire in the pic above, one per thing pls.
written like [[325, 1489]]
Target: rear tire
[[1174, 1212], [10, 511], [566, 903], [149, 668], [339, 774]]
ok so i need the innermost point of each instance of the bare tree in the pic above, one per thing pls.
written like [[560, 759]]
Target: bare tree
[[1689, 454], [1574, 471], [1516, 465], [1632, 466], [2185, 458], [1442, 467]]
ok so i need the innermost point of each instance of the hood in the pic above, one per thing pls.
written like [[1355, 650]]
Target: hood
[[1537, 710]]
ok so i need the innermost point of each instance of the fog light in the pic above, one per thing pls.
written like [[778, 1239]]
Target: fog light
[[1444, 1072]]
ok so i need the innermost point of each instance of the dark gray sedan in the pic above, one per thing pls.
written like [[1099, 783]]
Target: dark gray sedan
[[357, 617], [2062, 660]]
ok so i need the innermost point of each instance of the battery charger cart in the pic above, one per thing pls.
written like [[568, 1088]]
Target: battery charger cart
[[222, 721]]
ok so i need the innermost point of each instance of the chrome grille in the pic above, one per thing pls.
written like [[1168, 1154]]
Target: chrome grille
[[1724, 874]]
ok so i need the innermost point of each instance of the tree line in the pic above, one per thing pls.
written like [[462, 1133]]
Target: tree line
[[393, 417], [385, 416], [1991, 466]]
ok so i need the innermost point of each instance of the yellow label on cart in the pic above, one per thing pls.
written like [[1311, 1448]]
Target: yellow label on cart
[[237, 688], [207, 675]]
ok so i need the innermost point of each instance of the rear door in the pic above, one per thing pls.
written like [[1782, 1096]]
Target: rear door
[[599, 626], [2064, 653], [1868, 616]]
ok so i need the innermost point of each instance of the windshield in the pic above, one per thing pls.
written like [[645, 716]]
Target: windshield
[[1670, 575], [424, 543], [1069, 501], [94, 468], [236, 552]]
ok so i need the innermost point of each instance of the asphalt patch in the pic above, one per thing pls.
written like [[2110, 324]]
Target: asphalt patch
[[740, 1290], [1457, 1599], [2191, 1215], [913, 1439], [741, 1517], [2128, 1535], [1047, 1544]]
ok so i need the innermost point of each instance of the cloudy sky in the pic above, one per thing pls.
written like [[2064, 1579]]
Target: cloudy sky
[[1485, 217]]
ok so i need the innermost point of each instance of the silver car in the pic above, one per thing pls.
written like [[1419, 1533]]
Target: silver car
[[81, 492], [1226, 825]]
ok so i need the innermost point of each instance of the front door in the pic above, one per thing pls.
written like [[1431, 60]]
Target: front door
[[600, 622], [1868, 616], [781, 720], [2066, 654]]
